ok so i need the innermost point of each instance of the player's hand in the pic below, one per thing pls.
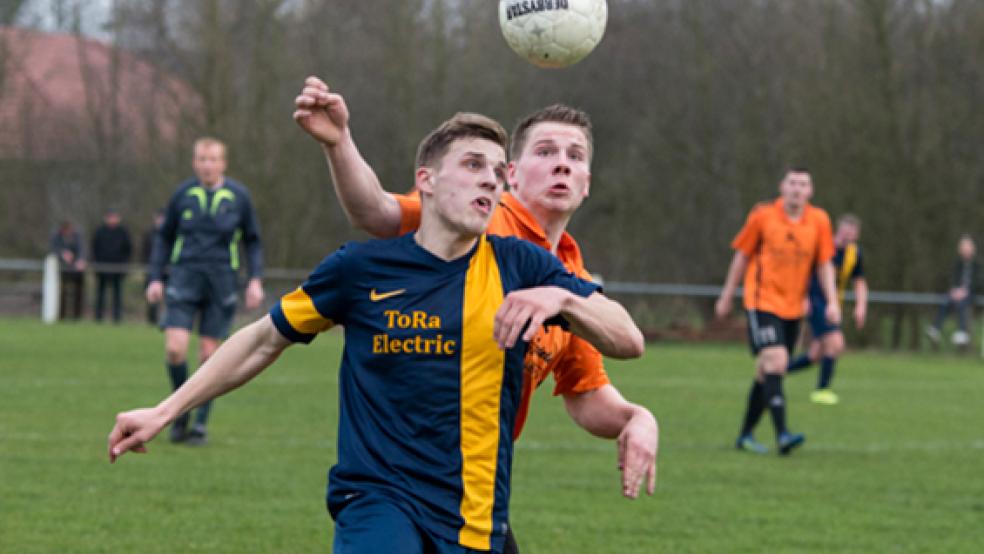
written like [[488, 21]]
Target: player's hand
[[133, 430], [860, 313], [958, 294], [527, 308], [321, 113], [155, 290], [833, 313], [254, 294], [722, 307], [638, 444]]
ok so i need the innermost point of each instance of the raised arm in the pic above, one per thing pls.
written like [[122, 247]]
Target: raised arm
[[597, 319], [248, 352], [324, 115], [605, 324]]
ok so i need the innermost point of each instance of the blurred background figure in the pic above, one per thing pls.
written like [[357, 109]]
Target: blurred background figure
[[147, 246], [204, 223], [110, 247], [67, 245], [960, 297]]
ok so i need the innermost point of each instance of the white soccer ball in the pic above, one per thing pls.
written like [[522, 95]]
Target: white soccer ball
[[553, 33]]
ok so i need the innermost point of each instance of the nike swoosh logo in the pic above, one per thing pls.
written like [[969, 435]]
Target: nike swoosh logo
[[377, 296]]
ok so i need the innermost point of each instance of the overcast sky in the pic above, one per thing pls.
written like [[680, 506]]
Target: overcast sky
[[43, 14]]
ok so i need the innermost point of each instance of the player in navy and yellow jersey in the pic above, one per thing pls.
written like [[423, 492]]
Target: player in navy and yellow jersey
[[205, 222], [549, 177], [781, 243], [436, 326], [827, 341]]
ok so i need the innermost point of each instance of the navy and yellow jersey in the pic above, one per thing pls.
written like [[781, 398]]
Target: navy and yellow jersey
[[847, 268], [427, 399], [204, 227]]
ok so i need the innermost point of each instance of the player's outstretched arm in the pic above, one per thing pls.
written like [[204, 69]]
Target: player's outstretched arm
[[324, 115], [735, 272], [599, 320], [248, 352], [603, 412]]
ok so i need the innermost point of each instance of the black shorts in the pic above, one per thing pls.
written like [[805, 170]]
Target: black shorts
[[766, 329], [208, 294]]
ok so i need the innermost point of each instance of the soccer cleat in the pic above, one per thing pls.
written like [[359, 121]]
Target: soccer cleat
[[749, 444], [826, 397], [197, 436], [960, 338], [934, 334], [788, 441]]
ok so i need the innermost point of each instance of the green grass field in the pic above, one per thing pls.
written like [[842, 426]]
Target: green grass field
[[897, 467]]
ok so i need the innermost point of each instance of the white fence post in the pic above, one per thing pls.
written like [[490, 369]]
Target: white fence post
[[50, 290]]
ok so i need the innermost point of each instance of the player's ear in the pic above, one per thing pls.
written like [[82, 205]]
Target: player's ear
[[511, 176], [587, 186], [424, 180]]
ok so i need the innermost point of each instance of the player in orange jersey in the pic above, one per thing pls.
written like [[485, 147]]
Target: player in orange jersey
[[781, 243], [549, 176]]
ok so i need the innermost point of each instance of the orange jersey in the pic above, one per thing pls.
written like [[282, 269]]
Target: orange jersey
[[781, 255], [576, 365]]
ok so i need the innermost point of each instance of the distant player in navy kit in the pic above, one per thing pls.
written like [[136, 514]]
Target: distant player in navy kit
[[827, 341], [204, 223], [436, 327]]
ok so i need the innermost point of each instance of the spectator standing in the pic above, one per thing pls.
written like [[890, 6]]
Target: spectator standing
[[67, 245], [111, 251], [963, 282]]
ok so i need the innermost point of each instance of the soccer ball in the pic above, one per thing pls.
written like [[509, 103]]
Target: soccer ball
[[553, 33]]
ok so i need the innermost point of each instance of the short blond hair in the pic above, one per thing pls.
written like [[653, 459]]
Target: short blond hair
[[209, 141], [555, 113]]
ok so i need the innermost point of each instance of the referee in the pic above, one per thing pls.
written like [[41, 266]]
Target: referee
[[205, 222]]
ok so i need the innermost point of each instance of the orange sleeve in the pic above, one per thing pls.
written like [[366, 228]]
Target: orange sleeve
[[826, 249], [747, 240], [409, 211], [580, 369]]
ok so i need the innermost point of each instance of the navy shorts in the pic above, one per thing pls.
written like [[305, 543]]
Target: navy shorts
[[819, 326], [374, 524], [766, 329], [206, 294]]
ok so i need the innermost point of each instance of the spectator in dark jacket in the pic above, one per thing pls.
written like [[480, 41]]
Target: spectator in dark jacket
[[111, 252], [67, 245], [963, 283]]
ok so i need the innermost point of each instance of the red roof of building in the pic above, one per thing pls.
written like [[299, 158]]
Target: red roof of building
[[66, 97]]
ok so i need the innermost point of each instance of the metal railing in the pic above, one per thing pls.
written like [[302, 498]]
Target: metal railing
[[49, 290]]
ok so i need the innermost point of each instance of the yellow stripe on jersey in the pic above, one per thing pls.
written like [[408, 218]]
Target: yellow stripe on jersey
[[847, 268], [482, 366], [300, 312]]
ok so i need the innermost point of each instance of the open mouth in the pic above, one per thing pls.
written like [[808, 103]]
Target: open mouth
[[559, 189], [483, 205]]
